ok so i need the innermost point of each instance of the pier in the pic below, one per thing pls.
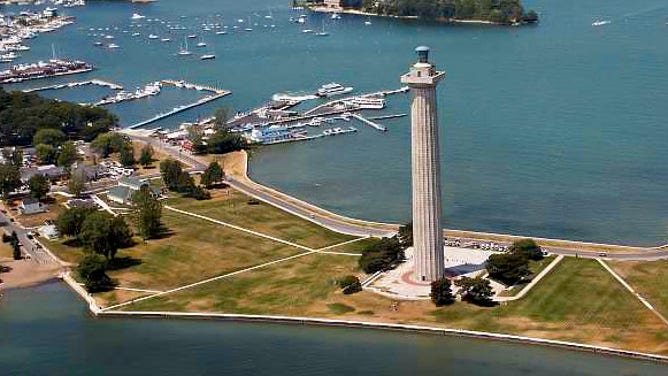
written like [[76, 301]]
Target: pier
[[95, 82], [188, 85], [205, 100], [387, 117], [370, 123]]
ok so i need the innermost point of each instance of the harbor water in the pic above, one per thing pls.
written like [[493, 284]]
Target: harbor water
[[46, 331], [555, 130]]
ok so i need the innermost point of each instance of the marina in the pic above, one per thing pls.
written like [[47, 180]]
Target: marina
[[40, 69], [95, 82]]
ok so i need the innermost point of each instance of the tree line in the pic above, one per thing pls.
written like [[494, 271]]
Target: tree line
[[500, 11], [22, 115]]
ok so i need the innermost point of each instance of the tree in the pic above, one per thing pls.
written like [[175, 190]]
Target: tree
[[508, 268], [39, 186], [108, 143], [224, 141], [146, 156], [406, 235], [70, 222], [127, 155], [147, 213], [92, 270], [221, 117], [441, 293], [350, 284], [16, 251], [212, 175], [77, 183], [527, 248], [475, 290], [385, 254], [46, 154], [67, 155], [171, 170], [103, 234], [10, 178], [49, 136]]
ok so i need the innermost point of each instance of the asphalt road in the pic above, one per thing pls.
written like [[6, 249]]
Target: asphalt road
[[28, 246]]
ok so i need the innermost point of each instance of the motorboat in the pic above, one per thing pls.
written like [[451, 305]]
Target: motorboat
[[332, 89], [207, 57]]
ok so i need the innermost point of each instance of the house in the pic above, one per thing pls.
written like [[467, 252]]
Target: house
[[32, 206], [127, 187], [52, 172], [49, 232]]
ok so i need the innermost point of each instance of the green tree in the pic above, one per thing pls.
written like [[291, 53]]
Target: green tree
[[39, 186], [384, 254], [16, 251], [77, 183], [527, 248], [441, 293], [147, 214], [10, 178], [46, 154], [67, 155], [146, 156], [49, 136], [212, 175], [70, 222], [221, 117], [350, 284], [127, 155], [107, 143], [406, 235], [92, 270], [508, 268], [171, 171], [476, 290], [224, 141], [103, 234]]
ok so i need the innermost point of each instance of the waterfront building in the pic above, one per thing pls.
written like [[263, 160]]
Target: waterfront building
[[422, 79], [127, 187]]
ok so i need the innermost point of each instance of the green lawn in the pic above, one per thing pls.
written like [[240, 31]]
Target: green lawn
[[354, 247], [233, 207], [195, 250], [535, 267], [578, 301], [649, 279]]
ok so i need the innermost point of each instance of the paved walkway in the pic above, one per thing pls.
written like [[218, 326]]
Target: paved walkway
[[533, 282], [632, 291]]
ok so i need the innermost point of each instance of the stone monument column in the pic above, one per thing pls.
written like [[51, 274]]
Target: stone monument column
[[422, 79]]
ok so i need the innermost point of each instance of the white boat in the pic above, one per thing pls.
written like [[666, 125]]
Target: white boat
[[201, 44], [153, 36], [307, 31], [249, 28], [108, 37], [222, 32], [137, 16], [165, 40], [367, 103], [330, 90], [184, 49], [600, 22], [113, 46], [207, 57], [322, 33], [336, 16], [368, 21], [192, 36], [136, 34]]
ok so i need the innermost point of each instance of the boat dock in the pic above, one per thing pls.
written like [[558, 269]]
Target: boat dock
[[370, 123], [219, 94], [95, 82], [188, 85], [387, 117]]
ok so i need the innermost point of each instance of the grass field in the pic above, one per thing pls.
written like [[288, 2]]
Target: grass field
[[578, 301], [649, 279], [535, 267], [5, 249], [232, 207]]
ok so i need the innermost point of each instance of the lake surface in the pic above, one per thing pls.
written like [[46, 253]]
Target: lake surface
[[46, 330], [556, 130]]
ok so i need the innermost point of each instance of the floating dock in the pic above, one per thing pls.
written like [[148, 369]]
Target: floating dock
[[387, 117], [370, 123], [96, 82], [205, 100]]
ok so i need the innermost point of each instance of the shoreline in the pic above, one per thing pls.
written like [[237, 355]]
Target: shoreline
[[353, 324], [446, 21]]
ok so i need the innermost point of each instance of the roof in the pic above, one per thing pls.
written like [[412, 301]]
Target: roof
[[50, 171], [132, 182], [29, 201], [121, 192]]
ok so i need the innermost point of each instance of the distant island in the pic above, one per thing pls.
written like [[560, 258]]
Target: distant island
[[501, 12]]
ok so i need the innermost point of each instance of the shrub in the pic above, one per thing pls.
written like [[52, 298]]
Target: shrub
[[441, 293], [350, 284]]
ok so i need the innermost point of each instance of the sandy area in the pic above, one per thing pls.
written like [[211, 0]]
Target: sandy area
[[26, 273]]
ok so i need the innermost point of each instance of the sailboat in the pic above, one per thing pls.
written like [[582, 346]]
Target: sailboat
[[368, 21], [184, 49], [207, 57], [201, 43], [249, 28], [322, 33]]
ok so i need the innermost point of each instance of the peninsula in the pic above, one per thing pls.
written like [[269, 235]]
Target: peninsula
[[499, 12]]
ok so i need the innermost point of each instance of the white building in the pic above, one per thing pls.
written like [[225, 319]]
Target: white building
[[32, 206]]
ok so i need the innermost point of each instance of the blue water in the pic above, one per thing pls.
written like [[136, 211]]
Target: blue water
[[46, 331], [556, 130]]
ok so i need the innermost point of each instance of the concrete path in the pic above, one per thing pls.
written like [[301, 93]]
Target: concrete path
[[531, 284], [637, 295]]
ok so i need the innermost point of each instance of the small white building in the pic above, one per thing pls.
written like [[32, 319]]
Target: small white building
[[32, 206], [49, 232], [127, 187]]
